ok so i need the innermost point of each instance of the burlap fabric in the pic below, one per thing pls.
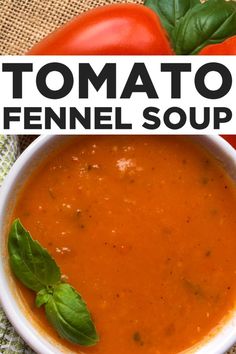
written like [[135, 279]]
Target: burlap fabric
[[22, 24], [25, 22]]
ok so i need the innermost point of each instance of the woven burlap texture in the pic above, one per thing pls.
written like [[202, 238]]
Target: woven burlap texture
[[22, 24]]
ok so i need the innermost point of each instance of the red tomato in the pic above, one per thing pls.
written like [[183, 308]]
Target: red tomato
[[231, 139], [228, 47], [120, 29]]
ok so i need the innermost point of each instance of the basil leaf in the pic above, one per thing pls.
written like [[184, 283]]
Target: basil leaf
[[170, 12], [43, 297], [35, 268], [209, 23], [68, 313], [30, 262]]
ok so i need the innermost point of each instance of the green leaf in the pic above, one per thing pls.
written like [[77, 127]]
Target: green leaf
[[68, 313], [43, 297], [30, 262], [209, 23], [36, 269], [170, 12]]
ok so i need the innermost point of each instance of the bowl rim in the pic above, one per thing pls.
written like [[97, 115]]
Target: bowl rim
[[218, 343], [10, 304]]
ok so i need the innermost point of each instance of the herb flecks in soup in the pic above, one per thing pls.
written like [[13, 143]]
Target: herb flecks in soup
[[144, 228]]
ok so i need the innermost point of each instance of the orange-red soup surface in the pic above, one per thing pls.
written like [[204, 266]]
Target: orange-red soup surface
[[144, 228]]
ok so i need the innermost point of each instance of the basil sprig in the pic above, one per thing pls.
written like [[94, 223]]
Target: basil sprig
[[171, 12], [205, 24], [192, 25], [30, 262], [37, 270]]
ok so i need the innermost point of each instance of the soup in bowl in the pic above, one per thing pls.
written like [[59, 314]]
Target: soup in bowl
[[143, 227]]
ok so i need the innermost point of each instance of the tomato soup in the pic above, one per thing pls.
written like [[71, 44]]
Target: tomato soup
[[144, 228]]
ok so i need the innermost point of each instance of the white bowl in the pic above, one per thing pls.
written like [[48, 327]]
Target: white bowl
[[217, 343]]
